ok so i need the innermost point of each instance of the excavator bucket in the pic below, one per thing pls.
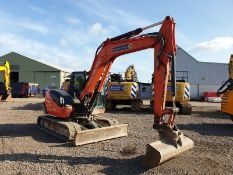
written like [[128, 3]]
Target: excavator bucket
[[160, 151], [100, 134]]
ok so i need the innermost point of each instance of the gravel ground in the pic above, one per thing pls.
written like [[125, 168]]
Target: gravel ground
[[25, 149]]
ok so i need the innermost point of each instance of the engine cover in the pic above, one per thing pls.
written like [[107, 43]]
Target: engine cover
[[59, 103]]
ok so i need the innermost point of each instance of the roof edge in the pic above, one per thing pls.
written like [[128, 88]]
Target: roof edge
[[178, 47], [54, 67]]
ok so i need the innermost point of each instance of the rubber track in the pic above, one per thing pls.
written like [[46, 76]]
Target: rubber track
[[69, 126]]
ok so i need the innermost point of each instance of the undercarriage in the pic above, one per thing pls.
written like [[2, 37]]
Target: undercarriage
[[71, 131]]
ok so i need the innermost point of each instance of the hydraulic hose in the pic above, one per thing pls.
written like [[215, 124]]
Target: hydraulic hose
[[173, 76]]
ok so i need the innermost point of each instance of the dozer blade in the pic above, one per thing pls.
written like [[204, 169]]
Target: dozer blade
[[100, 134], [159, 151]]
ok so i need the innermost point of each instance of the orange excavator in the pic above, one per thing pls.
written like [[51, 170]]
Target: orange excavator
[[75, 120]]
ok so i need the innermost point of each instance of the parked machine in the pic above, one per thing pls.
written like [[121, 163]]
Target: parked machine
[[182, 97], [33, 89], [19, 89], [75, 121], [131, 74], [126, 91], [227, 92], [5, 89]]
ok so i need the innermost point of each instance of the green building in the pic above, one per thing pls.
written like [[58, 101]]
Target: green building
[[24, 69]]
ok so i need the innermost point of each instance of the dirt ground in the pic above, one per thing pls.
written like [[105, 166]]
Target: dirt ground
[[24, 149]]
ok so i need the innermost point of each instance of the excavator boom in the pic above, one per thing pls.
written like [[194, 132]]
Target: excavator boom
[[5, 68]]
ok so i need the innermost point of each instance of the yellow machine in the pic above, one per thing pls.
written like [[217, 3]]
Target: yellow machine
[[127, 91], [131, 74], [227, 90], [5, 87], [123, 91], [66, 85], [182, 97]]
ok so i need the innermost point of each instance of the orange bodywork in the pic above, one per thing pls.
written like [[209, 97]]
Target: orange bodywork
[[110, 50], [53, 109]]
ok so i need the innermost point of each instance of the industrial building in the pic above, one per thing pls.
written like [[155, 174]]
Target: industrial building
[[202, 76], [24, 69]]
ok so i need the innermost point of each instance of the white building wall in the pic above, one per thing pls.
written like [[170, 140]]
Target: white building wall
[[202, 76], [198, 89]]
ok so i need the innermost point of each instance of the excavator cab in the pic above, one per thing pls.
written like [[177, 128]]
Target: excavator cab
[[77, 83]]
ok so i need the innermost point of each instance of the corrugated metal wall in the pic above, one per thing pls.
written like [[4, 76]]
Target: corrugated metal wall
[[198, 89], [48, 79], [202, 76]]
